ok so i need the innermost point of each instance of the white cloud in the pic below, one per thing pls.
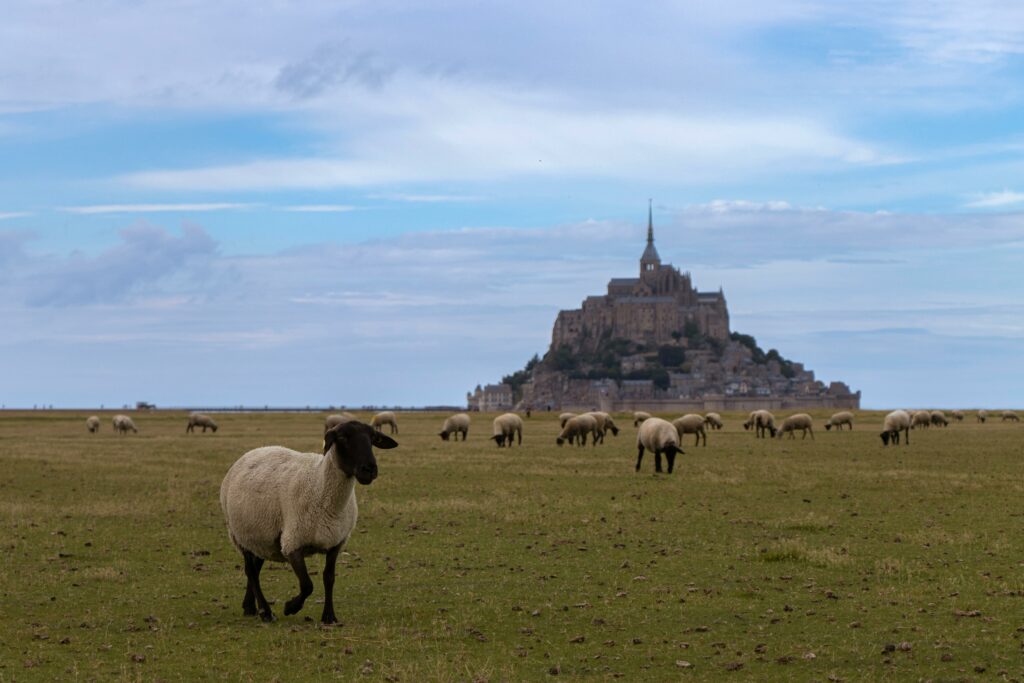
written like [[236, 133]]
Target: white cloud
[[320, 208], [153, 208], [8, 215], [996, 199], [426, 198]]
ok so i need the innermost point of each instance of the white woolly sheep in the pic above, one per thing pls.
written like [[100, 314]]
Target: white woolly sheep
[[801, 421], [200, 420], [922, 419], [714, 421], [659, 436], [455, 424], [1010, 416], [382, 418], [605, 423], [762, 422], [958, 415], [505, 427], [577, 428], [92, 423], [938, 418], [337, 419], [838, 420], [565, 417], [639, 416], [982, 416], [895, 422], [691, 424], [282, 505], [122, 423]]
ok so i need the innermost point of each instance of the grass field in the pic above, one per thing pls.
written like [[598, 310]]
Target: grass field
[[833, 559]]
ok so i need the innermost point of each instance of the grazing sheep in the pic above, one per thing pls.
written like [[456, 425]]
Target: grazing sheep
[[714, 421], [639, 416], [763, 423], [659, 436], [938, 418], [838, 420], [455, 424], [922, 419], [1010, 416], [605, 423], [577, 428], [382, 418], [92, 424], [122, 423], [565, 417], [958, 415], [200, 420], [337, 419], [801, 421], [982, 416], [895, 422], [691, 424], [506, 427], [283, 505]]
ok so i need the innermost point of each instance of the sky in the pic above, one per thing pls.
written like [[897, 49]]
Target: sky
[[386, 203]]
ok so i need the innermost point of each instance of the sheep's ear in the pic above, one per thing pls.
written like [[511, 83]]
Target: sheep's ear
[[378, 440], [329, 438]]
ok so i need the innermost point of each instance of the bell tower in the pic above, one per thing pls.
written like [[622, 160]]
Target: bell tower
[[650, 262]]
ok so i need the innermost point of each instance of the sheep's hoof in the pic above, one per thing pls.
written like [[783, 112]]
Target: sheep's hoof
[[249, 611], [294, 605], [268, 617], [328, 619]]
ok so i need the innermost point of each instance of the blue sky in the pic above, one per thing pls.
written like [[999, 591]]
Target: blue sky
[[388, 202]]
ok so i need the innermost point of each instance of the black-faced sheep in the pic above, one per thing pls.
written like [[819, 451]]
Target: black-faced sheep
[[659, 436], [605, 424], [565, 417], [801, 421], [691, 424], [639, 416], [506, 427], [958, 415], [283, 505], [762, 422], [122, 423], [938, 418], [1010, 416], [838, 420], [455, 424], [92, 423], [895, 422], [576, 430], [200, 420], [334, 420], [982, 416], [714, 421], [922, 419], [385, 417]]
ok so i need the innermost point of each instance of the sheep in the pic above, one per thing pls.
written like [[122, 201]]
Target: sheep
[[385, 417], [762, 421], [577, 428], [639, 416], [895, 422], [691, 424], [838, 420], [922, 419], [958, 415], [505, 427], [92, 423], [801, 421], [982, 416], [714, 421], [605, 423], [457, 424], [282, 505], [659, 436], [337, 419], [565, 417], [1010, 416], [122, 423], [938, 418], [200, 420]]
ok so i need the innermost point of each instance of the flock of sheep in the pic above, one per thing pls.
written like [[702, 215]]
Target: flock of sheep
[[284, 505]]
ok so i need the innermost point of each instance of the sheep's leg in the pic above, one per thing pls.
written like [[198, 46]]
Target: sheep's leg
[[298, 563], [328, 617], [671, 458], [811, 430], [639, 457], [253, 565], [657, 461]]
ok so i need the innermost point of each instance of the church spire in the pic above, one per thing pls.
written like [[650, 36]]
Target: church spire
[[650, 223], [650, 261]]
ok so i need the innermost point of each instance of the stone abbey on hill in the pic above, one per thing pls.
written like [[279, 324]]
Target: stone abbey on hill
[[655, 342]]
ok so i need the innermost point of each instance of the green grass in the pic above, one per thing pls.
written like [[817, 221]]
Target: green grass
[[756, 560]]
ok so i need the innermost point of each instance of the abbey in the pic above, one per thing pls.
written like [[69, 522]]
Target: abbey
[[654, 342]]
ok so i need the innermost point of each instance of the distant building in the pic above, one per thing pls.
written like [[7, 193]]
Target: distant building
[[656, 342]]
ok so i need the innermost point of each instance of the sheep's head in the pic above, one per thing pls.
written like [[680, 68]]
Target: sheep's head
[[500, 440], [885, 438], [353, 444], [828, 426], [615, 430], [443, 435], [559, 440]]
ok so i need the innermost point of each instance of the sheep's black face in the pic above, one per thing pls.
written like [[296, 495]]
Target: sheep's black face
[[500, 440], [885, 438], [443, 435], [353, 444]]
